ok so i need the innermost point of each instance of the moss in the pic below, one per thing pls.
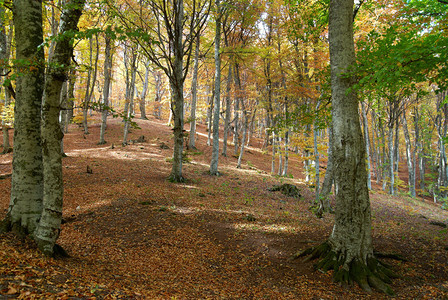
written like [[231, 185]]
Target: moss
[[372, 274]]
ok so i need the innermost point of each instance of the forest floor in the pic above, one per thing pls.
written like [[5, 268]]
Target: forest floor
[[132, 234]]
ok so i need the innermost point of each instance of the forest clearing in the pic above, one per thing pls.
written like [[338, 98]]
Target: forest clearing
[[132, 234]]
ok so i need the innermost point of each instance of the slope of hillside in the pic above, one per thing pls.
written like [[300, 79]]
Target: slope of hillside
[[132, 234]]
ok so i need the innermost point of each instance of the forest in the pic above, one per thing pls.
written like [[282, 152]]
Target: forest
[[246, 149]]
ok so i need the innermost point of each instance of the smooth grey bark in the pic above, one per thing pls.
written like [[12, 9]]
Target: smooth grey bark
[[391, 148], [194, 97], [217, 98], [236, 129], [91, 79], [142, 99], [177, 87], [396, 142], [324, 199], [49, 226], [71, 97], [285, 165], [306, 153], [280, 155], [367, 142], [4, 56], [209, 117], [376, 148], [107, 72], [25, 206], [63, 112], [409, 157], [273, 153], [349, 249], [316, 165], [441, 124], [130, 85], [419, 149], [243, 142], [227, 116], [159, 91]]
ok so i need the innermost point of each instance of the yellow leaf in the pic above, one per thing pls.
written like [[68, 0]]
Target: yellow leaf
[[11, 291]]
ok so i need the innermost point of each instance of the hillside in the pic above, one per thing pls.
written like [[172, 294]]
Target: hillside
[[132, 234]]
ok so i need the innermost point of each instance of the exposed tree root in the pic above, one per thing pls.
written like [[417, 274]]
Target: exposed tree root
[[372, 274], [389, 255]]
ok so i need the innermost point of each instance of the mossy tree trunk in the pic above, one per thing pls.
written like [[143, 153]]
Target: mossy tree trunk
[[349, 250], [49, 226], [27, 177]]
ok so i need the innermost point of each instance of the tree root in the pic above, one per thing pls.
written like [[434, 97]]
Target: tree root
[[372, 274], [390, 255]]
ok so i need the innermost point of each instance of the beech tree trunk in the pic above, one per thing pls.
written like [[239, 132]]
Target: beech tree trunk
[[177, 87], [91, 79], [4, 56], [106, 88], [142, 100], [367, 142], [209, 115], [243, 142], [285, 165], [351, 236], [194, 97], [349, 248], [217, 98], [49, 227], [25, 206], [130, 85], [227, 117], [324, 199], [409, 158], [71, 97]]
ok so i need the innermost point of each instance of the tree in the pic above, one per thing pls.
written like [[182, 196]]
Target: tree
[[5, 40], [106, 87], [194, 97], [349, 250], [25, 206], [170, 34], [49, 226], [217, 98]]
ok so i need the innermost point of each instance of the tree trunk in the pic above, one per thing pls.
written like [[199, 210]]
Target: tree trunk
[[367, 141], [194, 97], [106, 88], [25, 207], [324, 199], [243, 142], [409, 158], [130, 84], [419, 149], [390, 142], [209, 115], [349, 248], [217, 98], [177, 87], [316, 162], [49, 227], [227, 117], [71, 97], [273, 153], [91, 79], [285, 166], [142, 102], [4, 56]]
